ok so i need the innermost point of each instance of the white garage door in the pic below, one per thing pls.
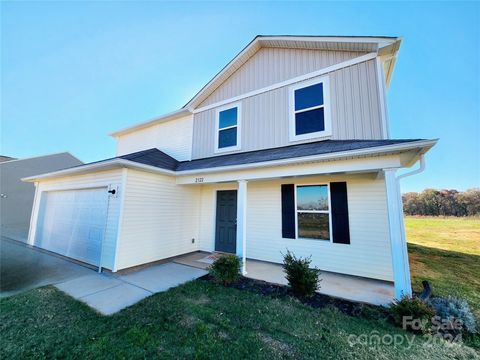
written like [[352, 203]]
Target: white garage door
[[72, 223]]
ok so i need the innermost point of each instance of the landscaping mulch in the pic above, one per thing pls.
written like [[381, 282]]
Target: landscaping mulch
[[281, 291]]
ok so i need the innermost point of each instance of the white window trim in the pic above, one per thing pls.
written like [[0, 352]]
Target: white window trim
[[326, 105], [329, 212], [238, 126]]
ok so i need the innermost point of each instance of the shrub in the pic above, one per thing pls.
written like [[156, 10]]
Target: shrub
[[416, 313], [302, 279], [450, 308], [226, 269]]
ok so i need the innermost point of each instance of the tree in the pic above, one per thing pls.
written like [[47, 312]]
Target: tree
[[432, 202]]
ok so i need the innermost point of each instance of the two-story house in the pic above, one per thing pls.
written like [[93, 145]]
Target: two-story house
[[287, 147]]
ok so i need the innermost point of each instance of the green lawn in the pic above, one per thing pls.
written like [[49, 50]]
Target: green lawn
[[447, 233], [204, 320], [446, 252], [196, 320]]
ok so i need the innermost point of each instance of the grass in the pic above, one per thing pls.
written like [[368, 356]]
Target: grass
[[205, 320], [197, 320], [446, 252], [446, 233]]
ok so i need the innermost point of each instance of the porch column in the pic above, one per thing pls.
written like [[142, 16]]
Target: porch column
[[401, 268], [242, 223]]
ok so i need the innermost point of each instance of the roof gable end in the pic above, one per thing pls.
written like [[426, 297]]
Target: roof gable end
[[332, 43]]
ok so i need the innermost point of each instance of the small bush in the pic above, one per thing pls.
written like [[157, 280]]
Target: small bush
[[226, 269], [416, 313], [450, 308], [302, 279]]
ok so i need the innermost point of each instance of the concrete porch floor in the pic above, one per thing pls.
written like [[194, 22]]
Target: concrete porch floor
[[348, 287]]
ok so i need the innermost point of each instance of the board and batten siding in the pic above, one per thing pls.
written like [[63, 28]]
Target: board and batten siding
[[355, 114], [98, 179], [159, 219], [173, 137], [367, 255], [272, 65]]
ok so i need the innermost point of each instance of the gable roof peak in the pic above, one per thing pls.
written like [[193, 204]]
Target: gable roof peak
[[309, 42]]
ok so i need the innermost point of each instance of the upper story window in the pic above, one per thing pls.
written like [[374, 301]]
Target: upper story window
[[309, 110], [228, 128]]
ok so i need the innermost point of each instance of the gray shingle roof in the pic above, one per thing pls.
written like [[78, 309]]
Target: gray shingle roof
[[153, 157], [157, 158]]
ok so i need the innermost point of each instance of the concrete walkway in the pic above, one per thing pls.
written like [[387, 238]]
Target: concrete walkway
[[110, 293]]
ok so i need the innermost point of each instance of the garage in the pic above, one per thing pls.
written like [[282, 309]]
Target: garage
[[73, 222]]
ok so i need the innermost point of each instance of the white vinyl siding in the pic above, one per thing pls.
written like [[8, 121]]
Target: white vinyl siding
[[112, 178], [368, 254], [354, 110], [173, 137], [160, 219]]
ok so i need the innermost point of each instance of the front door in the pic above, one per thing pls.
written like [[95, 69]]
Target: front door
[[226, 222]]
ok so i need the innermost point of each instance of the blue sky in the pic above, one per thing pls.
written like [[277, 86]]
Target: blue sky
[[72, 72]]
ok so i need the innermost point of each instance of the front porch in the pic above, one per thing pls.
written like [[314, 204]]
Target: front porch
[[354, 288]]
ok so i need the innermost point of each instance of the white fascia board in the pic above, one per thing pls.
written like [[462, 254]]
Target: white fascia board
[[160, 119], [424, 145], [104, 165], [381, 41], [247, 48], [350, 166]]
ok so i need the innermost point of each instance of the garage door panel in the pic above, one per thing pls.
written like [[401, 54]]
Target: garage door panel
[[72, 223]]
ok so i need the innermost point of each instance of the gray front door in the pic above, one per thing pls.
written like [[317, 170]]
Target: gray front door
[[226, 222]]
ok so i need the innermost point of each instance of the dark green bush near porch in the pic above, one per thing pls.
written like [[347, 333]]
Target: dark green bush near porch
[[226, 269], [302, 279], [412, 309]]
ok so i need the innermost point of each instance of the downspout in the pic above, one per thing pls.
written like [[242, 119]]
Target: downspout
[[413, 172], [401, 222]]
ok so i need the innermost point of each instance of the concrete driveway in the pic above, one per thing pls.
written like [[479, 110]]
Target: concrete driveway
[[23, 268]]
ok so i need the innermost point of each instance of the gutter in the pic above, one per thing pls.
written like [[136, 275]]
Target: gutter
[[416, 171], [329, 156]]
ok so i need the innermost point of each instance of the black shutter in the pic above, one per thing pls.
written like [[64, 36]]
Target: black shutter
[[339, 203], [288, 211]]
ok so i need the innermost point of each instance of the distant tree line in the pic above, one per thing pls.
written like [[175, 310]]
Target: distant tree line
[[431, 202]]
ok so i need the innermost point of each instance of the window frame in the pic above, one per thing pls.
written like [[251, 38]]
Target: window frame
[[218, 149], [329, 212], [325, 81]]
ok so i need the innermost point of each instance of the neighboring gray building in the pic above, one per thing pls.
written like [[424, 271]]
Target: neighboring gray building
[[16, 196]]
